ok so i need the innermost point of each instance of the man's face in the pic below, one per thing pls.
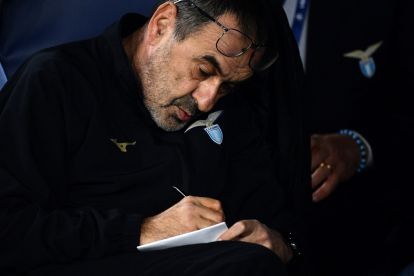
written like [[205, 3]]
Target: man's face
[[182, 79]]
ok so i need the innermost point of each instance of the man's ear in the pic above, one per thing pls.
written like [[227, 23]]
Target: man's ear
[[162, 22]]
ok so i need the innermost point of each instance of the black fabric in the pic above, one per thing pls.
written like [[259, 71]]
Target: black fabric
[[79, 197], [282, 111], [219, 258], [355, 220]]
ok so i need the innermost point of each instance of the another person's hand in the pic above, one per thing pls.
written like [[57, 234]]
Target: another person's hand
[[254, 231], [335, 159], [191, 213]]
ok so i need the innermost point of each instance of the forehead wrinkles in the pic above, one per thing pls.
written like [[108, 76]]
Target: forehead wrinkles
[[203, 43], [237, 67]]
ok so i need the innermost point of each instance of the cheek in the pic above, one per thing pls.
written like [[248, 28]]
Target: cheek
[[180, 80], [182, 87]]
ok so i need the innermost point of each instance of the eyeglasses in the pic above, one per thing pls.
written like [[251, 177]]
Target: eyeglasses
[[234, 43]]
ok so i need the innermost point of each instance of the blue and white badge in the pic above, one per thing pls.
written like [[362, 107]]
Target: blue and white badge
[[213, 130], [367, 67], [366, 61], [215, 133]]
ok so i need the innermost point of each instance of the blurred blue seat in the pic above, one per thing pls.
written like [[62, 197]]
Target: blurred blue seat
[[3, 78], [408, 270], [27, 26]]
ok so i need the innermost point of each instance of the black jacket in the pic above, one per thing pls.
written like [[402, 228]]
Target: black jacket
[[67, 191]]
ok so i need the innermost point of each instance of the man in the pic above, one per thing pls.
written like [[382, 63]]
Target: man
[[95, 135], [356, 57]]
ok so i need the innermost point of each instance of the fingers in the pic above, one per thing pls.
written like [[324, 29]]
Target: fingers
[[254, 231], [189, 214], [211, 203], [201, 212], [202, 222], [237, 231], [209, 217], [334, 160], [324, 190], [319, 152], [248, 231], [321, 173]]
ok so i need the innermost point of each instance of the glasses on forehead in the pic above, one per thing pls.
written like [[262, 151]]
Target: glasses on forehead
[[234, 43]]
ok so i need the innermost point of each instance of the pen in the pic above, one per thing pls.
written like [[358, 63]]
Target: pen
[[178, 190]]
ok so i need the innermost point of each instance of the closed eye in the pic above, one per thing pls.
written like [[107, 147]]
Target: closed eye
[[204, 72]]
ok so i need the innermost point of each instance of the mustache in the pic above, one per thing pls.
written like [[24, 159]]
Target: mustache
[[187, 103]]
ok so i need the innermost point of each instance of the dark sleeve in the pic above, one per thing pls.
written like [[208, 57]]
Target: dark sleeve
[[253, 191], [390, 128], [280, 115], [36, 148]]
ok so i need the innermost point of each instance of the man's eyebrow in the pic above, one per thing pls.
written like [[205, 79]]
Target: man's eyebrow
[[213, 61]]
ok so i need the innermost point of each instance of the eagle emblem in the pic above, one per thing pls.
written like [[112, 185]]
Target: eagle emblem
[[213, 130], [366, 61]]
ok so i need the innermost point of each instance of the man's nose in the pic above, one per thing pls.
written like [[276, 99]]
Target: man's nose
[[206, 95]]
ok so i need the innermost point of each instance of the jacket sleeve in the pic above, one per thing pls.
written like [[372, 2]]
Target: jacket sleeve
[[36, 228], [253, 190]]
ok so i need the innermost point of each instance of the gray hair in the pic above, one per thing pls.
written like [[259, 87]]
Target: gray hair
[[254, 17]]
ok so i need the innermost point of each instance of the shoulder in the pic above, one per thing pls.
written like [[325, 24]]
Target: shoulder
[[64, 71], [67, 62]]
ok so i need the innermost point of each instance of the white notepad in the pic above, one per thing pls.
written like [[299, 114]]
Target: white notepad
[[208, 234]]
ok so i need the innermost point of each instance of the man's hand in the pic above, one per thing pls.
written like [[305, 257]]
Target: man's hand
[[335, 159], [254, 231], [191, 213]]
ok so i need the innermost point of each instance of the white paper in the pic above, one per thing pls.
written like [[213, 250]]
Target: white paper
[[208, 234]]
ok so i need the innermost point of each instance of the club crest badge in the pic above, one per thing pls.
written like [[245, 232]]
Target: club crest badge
[[366, 61], [213, 130], [367, 67], [215, 134]]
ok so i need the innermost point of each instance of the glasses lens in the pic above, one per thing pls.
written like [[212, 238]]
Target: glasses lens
[[263, 57], [233, 43]]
